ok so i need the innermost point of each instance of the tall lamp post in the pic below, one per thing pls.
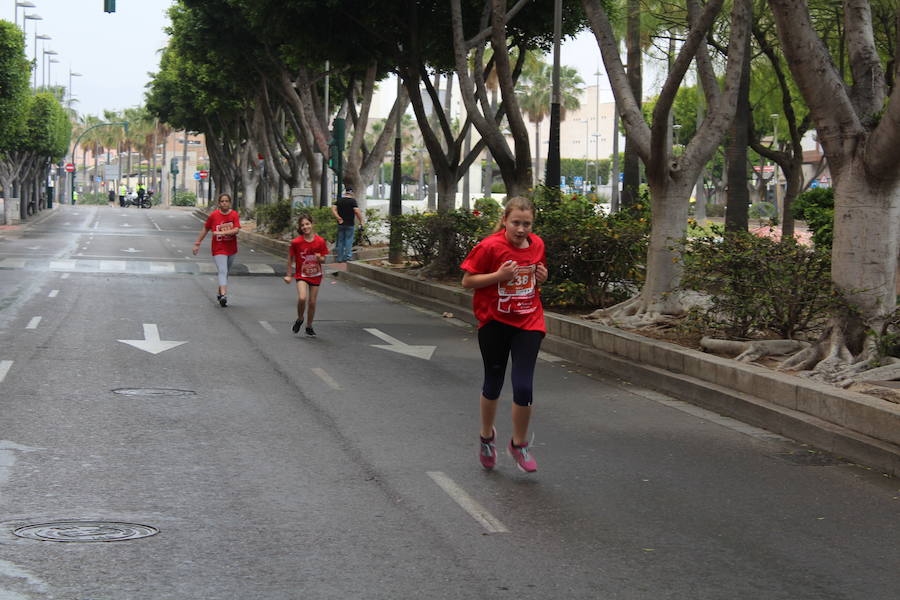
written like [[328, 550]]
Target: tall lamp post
[[587, 135], [71, 75], [34, 17], [24, 4], [50, 61], [45, 79]]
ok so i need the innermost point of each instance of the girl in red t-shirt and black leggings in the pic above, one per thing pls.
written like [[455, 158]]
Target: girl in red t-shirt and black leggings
[[505, 270]]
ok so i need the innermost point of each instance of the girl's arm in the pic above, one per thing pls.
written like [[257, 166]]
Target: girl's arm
[[479, 280], [290, 267], [200, 239]]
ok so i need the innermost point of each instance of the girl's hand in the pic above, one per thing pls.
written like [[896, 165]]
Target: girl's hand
[[196, 248], [287, 278], [541, 273], [507, 270]]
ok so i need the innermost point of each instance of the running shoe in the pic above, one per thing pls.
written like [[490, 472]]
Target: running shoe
[[310, 332], [522, 456], [223, 300], [296, 326], [488, 451]]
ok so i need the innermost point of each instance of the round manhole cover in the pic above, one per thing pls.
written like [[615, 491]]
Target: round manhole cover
[[86, 531], [153, 392]]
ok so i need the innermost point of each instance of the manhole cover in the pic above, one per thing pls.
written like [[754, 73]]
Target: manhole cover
[[153, 392], [86, 531]]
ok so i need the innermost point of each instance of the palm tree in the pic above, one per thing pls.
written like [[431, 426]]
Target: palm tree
[[536, 94]]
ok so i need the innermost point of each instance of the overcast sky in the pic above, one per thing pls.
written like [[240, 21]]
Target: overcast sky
[[115, 52]]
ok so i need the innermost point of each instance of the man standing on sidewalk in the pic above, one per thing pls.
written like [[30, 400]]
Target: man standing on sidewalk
[[345, 210]]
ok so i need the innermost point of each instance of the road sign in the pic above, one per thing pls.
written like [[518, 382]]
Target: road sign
[[70, 168], [197, 176], [204, 174]]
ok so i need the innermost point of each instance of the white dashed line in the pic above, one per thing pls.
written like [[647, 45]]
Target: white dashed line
[[268, 327], [468, 504], [53, 294], [4, 368], [33, 323], [328, 379], [64, 276]]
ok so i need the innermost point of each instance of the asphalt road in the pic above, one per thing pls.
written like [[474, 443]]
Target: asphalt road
[[263, 464]]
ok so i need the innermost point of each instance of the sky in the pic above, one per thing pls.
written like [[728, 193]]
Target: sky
[[115, 52]]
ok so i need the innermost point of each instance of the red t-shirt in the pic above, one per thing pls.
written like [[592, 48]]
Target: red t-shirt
[[516, 302], [223, 244], [306, 266]]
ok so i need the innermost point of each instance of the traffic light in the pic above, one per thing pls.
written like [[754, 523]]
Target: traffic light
[[173, 166], [109, 6]]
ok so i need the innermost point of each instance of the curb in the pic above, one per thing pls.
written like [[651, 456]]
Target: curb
[[855, 426]]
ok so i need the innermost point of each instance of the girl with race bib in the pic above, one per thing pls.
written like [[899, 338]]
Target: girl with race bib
[[304, 264], [505, 270]]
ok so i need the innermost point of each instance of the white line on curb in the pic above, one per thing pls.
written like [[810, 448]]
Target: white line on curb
[[468, 504]]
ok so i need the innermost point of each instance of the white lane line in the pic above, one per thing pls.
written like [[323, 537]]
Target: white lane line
[[259, 268], [328, 379], [159, 267], [268, 327], [62, 265], [33, 323], [53, 294], [550, 358], [64, 276], [468, 504], [4, 368], [708, 415]]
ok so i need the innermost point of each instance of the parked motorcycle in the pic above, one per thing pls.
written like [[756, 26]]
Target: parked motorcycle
[[132, 199]]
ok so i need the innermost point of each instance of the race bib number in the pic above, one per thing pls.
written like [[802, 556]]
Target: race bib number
[[221, 228], [522, 284], [310, 267], [517, 295]]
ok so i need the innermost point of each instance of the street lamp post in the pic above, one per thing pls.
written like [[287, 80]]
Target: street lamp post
[[25, 4], [50, 62], [71, 75], [587, 132], [45, 79]]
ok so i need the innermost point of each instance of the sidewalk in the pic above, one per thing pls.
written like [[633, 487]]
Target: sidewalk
[[858, 427]]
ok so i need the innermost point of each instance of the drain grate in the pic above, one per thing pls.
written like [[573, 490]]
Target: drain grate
[[85, 531], [153, 392]]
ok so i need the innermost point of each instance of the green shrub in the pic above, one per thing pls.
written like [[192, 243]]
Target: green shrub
[[816, 207], [184, 198], [715, 210], [757, 285], [498, 187], [593, 259], [489, 208], [275, 218], [422, 234]]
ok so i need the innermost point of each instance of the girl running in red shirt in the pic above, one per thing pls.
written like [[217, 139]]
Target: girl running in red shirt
[[225, 225], [505, 270], [305, 259]]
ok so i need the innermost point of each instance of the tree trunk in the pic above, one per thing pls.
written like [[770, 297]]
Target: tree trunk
[[631, 169], [736, 211]]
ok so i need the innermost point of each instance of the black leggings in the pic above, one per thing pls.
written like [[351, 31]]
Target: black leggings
[[497, 341]]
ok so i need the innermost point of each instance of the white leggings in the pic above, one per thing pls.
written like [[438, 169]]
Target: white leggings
[[223, 265]]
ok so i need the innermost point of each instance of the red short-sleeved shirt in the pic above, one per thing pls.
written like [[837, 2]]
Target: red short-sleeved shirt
[[307, 266], [223, 244], [516, 302]]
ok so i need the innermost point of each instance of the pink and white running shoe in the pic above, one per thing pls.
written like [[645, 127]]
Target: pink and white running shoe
[[522, 456], [488, 451]]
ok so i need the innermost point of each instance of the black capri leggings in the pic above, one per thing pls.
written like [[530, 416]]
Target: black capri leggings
[[497, 341]]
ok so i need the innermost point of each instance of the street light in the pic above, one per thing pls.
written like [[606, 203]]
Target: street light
[[45, 80], [25, 4], [50, 62], [71, 75], [587, 131]]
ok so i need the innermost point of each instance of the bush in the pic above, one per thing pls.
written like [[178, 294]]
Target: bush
[[593, 259], [275, 218], [816, 207], [715, 210], [489, 208], [759, 286], [422, 234], [184, 198], [498, 187]]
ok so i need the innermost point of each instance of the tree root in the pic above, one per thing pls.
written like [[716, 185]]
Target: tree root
[[861, 372], [751, 351], [639, 313]]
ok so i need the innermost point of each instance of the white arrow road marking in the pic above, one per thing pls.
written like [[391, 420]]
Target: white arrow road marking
[[34, 247], [151, 342], [131, 250], [53, 294], [4, 368], [468, 504], [33, 323], [395, 345]]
